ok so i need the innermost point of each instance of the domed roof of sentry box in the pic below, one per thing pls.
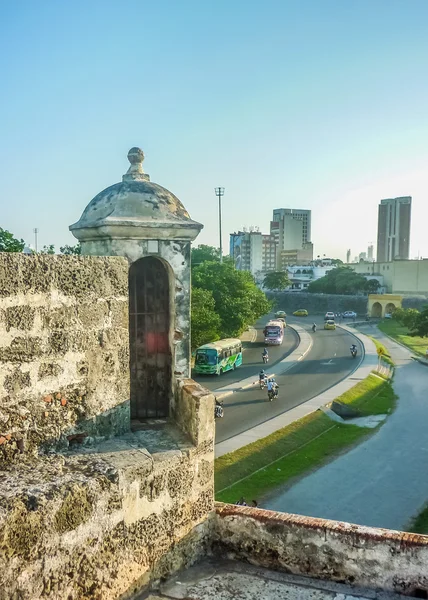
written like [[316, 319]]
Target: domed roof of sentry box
[[135, 203]]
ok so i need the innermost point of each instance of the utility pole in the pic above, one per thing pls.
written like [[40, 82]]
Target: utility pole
[[35, 231], [219, 192]]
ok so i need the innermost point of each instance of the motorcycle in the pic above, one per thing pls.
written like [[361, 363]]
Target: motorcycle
[[265, 358], [354, 353], [262, 383], [314, 328], [218, 410], [272, 394]]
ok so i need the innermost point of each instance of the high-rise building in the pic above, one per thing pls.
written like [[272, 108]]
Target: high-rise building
[[253, 251], [291, 228], [370, 253], [298, 214], [348, 256], [393, 229]]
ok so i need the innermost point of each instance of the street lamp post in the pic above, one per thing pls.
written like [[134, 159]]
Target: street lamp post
[[219, 192], [35, 231]]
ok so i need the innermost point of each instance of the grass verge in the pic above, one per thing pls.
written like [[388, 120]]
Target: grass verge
[[385, 356], [300, 447], [398, 332], [420, 523]]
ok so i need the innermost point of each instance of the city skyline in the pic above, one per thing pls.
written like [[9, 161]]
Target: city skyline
[[335, 123]]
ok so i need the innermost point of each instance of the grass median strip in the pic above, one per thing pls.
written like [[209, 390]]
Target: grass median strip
[[385, 356], [308, 443], [398, 332]]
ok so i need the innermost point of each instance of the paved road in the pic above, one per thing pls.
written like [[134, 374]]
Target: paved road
[[252, 359], [382, 482], [328, 362]]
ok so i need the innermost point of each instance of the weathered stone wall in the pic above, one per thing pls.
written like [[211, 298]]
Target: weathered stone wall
[[64, 363], [100, 523], [373, 558], [319, 303]]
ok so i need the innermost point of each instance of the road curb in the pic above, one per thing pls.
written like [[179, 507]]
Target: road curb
[[303, 347], [366, 366]]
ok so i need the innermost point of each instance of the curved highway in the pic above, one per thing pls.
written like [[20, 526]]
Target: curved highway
[[328, 362], [252, 357]]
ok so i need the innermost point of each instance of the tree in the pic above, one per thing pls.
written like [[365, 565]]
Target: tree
[[276, 281], [341, 280], [205, 321], [48, 249], [9, 243], [204, 253], [406, 316], [372, 286], [420, 326], [238, 301], [76, 250]]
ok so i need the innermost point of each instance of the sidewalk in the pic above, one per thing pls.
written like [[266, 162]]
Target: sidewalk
[[264, 429], [381, 482], [305, 344]]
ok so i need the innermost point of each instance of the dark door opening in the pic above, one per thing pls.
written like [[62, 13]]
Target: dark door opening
[[150, 353]]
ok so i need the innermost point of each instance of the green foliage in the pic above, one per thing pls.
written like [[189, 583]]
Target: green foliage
[[276, 280], [238, 301], [204, 253], [48, 249], [341, 280], [9, 243], [409, 317], [399, 332], [420, 325], [75, 250], [372, 286], [205, 321]]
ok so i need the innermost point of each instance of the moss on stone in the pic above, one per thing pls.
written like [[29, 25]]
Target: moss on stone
[[23, 532], [22, 349], [50, 369], [19, 317], [75, 510], [17, 380]]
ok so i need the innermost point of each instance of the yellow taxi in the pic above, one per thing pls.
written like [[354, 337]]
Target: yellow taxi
[[302, 312], [280, 314], [330, 324]]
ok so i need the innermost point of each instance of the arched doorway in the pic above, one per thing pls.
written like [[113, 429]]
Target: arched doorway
[[149, 326], [389, 308], [377, 310]]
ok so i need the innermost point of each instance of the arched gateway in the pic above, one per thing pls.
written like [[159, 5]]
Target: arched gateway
[[380, 305], [148, 225]]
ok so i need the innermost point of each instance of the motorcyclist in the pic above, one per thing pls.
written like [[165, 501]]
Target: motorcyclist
[[314, 327], [353, 349], [262, 375], [272, 386], [265, 354]]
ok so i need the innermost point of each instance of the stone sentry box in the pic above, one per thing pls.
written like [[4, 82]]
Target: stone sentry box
[[78, 362], [150, 227]]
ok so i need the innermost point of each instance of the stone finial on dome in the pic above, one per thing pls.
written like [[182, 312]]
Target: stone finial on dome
[[135, 171]]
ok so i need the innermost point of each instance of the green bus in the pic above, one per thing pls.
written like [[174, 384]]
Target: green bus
[[218, 357]]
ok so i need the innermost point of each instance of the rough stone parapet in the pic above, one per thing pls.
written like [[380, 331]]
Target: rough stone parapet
[[64, 351], [368, 557], [98, 523]]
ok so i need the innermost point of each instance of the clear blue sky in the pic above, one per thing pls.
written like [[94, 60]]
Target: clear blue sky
[[318, 104]]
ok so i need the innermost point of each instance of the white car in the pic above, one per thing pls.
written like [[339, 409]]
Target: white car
[[349, 314], [329, 316]]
